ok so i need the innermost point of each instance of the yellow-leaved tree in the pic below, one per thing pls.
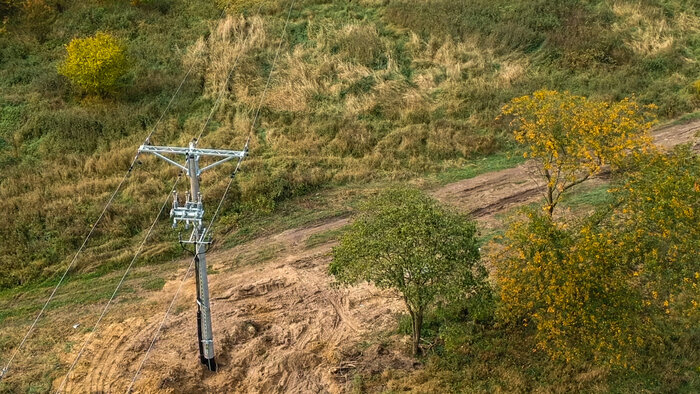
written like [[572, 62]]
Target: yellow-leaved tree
[[571, 137], [617, 283], [95, 64], [572, 285]]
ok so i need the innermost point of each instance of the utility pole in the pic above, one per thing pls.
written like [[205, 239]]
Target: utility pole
[[192, 213]]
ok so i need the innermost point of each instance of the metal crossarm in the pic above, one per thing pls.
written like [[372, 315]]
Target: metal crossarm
[[191, 151], [196, 153]]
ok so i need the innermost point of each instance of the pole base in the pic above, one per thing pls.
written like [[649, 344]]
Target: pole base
[[210, 363]]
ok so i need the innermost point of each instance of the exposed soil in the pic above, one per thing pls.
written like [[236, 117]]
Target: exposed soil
[[280, 326]]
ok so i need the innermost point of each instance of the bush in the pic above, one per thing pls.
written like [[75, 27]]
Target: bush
[[624, 280], [659, 212], [96, 65]]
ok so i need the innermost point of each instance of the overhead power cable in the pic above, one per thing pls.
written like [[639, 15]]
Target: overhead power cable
[[116, 290], [218, 208], [6, 368]]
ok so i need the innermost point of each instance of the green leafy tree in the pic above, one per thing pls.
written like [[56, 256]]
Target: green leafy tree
[[403, 240], [95, 64]]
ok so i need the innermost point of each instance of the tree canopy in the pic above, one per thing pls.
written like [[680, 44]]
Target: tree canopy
[[613, 283], [572, 138], [402, 239]]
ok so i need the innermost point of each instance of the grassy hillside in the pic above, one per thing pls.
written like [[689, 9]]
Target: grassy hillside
[[362, 90], [364, 94]]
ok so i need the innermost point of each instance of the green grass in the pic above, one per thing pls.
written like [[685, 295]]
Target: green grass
[[594, 197], [323, 238], [687, 118], [496, 162], [153, 284]]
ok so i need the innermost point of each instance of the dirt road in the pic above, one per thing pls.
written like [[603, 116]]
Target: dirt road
[[280, 326]]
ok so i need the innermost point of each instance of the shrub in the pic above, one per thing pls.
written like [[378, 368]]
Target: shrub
[[659, 212], [95, 65], [620, 282], [573, 287]]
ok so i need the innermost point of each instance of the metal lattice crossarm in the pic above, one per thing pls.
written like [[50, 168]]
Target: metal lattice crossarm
[[192, 151]]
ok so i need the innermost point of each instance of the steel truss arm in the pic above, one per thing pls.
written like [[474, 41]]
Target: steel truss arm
[[173, 162], [191, 151], [217, 163]]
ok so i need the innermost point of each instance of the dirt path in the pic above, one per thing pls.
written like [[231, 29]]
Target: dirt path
[[280, 326], [488, 194]]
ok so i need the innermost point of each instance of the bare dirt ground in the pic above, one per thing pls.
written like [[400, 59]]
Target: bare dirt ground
[[280, 326]]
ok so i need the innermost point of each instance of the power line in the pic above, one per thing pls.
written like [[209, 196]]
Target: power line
[[218, 208], [46, 304], [5, 369], [114, 293]]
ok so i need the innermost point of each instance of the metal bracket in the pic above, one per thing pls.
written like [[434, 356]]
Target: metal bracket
[[201, 240], [191, 213]]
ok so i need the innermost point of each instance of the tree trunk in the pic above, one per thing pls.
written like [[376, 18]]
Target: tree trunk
[[550, 200], [417, 319]]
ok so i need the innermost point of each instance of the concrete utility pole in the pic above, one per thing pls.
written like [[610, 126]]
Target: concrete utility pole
[[193, 213]]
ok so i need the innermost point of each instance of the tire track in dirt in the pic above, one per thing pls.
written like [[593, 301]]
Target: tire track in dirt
[[108, 356]]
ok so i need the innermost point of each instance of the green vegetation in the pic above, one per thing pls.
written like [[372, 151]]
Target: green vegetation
[[363, 90], [571, 138], [404, 240], [606, 302], [371, 92]]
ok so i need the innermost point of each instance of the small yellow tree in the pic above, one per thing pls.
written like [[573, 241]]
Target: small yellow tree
[[95, 64], [572, 138]]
